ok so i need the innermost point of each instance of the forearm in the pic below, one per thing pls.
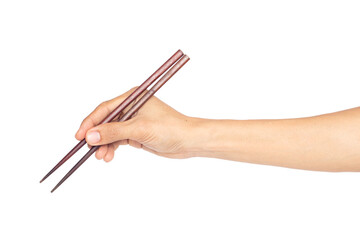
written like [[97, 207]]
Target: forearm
[[328, 142]]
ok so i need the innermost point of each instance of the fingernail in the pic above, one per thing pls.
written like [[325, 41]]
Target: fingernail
[[93, 137]]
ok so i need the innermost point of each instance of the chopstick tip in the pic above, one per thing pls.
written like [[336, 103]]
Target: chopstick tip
[[57, 185]]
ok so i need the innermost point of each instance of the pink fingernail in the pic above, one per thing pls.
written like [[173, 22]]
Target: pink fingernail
[[93, 137]]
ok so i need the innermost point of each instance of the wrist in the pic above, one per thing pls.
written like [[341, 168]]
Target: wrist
[[210, 138]]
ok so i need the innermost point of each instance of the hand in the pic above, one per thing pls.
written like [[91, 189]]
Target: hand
[[156, 128]]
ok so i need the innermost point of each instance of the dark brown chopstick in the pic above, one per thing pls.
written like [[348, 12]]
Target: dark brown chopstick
[[178, 65], [173, 59]]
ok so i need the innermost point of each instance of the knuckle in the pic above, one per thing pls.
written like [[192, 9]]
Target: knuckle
[[102, 105], [134, 88], [86, 122], [108, 132]]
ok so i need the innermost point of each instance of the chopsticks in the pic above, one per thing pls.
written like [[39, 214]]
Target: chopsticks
[[177, 61]]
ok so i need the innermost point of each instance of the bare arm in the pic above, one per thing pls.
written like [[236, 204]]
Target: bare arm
[[329, 142]]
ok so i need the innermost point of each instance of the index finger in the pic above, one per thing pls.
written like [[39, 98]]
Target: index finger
[[100, 112]]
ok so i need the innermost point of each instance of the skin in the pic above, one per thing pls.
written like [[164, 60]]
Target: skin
[[329, 142]]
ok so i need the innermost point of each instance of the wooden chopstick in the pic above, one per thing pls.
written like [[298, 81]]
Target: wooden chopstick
[[173, 59], [178, 65]]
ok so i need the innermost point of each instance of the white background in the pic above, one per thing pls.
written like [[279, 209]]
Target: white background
[[249, 60]]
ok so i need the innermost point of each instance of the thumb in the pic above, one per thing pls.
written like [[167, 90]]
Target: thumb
[[111, 132]]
